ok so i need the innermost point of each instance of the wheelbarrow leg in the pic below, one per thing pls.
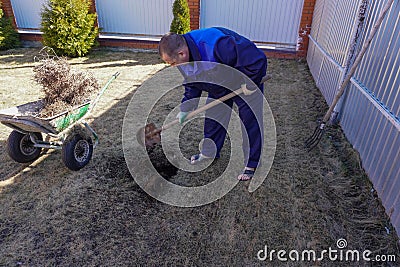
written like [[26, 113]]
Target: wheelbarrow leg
[[95, 136]]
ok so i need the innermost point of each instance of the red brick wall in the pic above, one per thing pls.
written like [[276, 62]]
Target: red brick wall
[[7, 8], [128, 43], [281, 54], [35, 37], [93, 10], [194, 8], [305, 27]]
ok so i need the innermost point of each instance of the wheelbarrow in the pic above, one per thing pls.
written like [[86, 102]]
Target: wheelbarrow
[[67, 131]]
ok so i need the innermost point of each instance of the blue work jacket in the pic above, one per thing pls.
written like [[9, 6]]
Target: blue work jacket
[[224, 46]]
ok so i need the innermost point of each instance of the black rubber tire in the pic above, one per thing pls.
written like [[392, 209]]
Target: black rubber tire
[[77, 152], [20, 147]]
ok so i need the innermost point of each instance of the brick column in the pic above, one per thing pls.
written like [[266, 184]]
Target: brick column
[[305, 27], [194, 9], [93, 10], [8, 11]]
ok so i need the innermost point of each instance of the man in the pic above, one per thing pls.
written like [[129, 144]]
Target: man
[[223, 46]]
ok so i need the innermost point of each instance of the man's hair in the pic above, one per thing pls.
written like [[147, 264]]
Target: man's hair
[[170, 44]]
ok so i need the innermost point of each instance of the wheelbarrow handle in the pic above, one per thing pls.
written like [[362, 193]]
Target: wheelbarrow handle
[[93, 104]]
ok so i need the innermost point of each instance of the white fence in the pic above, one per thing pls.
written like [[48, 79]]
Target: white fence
[[270, 23], [370, 110], [27, 14], [139, 17]]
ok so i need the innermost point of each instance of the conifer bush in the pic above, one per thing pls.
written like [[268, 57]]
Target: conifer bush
[[181, 21], [68, 27], [8, 35]]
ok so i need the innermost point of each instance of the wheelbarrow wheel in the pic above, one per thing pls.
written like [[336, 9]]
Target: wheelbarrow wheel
[[20, 146], [77, 152]]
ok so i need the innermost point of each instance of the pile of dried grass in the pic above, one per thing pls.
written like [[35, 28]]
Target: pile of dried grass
[[62, 86]]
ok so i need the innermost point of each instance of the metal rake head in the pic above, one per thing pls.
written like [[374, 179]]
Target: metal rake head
[[314, 139]]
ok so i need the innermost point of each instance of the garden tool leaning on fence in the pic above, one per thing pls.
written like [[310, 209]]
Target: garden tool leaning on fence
[[319, 131], [150, 135]]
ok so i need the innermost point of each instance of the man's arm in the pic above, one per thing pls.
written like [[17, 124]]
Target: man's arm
[[190, 99]]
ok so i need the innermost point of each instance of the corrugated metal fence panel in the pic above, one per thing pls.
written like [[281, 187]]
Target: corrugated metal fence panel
[[336, 18], [378, 139], [326, 72], [334, 23], [264, 21], [27, 13], [329, 79], [317, 18], [370, 113], [380, 68], [378, 142], [314, 59], [353, 114], [342, 15], [142, 17]]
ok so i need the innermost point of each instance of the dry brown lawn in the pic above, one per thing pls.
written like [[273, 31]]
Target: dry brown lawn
[[99, 216]]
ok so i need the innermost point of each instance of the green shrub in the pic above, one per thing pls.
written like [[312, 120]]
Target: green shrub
[[8, 35], [68, 27], [181, 22]]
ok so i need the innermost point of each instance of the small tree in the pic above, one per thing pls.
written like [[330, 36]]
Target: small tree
[[8, 35], [68, 27], [181, 22]]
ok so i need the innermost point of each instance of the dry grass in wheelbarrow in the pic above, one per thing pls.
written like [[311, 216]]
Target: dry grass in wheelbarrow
[[63, 86]]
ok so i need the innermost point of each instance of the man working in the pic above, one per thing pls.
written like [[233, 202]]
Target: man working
[[226, 47]]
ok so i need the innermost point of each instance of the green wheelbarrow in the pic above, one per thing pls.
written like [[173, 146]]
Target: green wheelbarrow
[[67, 131]]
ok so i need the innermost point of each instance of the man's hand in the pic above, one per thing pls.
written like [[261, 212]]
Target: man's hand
[[182, 116]]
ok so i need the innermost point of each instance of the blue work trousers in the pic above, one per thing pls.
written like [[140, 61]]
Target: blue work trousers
[[217, 119]]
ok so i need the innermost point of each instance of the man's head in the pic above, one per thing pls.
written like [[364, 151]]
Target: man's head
[[173, 49]]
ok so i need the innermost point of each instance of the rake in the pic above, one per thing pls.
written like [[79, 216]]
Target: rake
[[319, 131]]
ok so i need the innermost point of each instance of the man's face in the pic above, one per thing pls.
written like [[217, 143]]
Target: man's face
[[181, 57]]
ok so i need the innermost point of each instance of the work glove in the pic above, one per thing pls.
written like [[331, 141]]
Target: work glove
[[182, 116]]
